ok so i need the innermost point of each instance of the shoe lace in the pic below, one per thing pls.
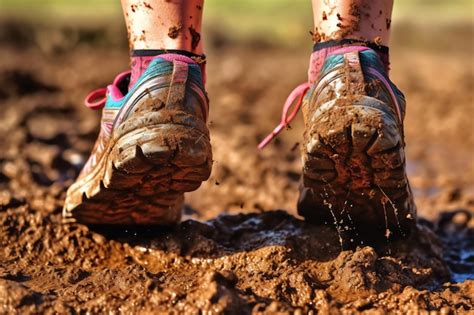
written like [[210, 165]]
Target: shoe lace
[[286, 117], [96, 99]]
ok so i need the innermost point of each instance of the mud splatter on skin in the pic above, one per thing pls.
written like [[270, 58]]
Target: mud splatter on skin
[[195, 37], [134, 8], [325, 17], [142, 36], [347, 25], [199, 7], [173, 31], [147, 5], [318, 36], [388, 23], [378, 40]]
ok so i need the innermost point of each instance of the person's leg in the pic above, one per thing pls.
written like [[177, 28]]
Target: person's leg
[[354, 162], [367, 20], [161, 24], [154, 143], [342, 22], [353, 148]]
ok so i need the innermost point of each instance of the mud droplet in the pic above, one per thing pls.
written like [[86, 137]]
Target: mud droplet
[[147, 5], [142, 35], [378, 40], [325, 17], [173, 31], [195, 37]]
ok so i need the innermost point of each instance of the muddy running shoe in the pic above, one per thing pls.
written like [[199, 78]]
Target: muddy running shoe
[[353, 150], [153, 146]]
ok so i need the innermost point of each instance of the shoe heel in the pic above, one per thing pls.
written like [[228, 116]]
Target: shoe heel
[[179, 152], [158, 150], [354, 168]]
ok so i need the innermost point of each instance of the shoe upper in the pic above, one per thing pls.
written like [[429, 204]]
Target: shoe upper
[[179, 74], [355, 71], [348, 71]]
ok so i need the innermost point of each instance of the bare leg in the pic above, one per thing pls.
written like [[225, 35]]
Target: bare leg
[[164, 24], [367, 20]]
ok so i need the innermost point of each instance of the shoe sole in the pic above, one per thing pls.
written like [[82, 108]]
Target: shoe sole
[[144, 172], [354, 170]]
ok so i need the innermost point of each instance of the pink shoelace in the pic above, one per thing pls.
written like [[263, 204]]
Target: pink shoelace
[[96, 99], [286, 117]]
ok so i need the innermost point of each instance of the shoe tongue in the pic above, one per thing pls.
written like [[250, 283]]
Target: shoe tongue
[[140, 63]]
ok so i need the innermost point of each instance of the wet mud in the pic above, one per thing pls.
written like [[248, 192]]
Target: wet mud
[[241, 248]]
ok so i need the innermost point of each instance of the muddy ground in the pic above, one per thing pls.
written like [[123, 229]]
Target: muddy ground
[[241, 248]]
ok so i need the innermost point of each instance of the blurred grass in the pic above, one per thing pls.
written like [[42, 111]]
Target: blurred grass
[[287, 21]]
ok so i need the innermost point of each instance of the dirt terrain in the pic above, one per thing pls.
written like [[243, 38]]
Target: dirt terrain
[[241, 248]]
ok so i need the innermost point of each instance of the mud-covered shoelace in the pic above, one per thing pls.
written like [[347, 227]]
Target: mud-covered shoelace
[[286, 117], [96, 99]]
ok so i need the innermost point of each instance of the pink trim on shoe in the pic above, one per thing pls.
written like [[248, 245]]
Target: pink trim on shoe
[[97, 98], [348, 49], [113, 89], [173, 57], [140, 63]]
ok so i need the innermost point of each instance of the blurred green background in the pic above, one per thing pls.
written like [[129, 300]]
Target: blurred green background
[[283, 21]]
